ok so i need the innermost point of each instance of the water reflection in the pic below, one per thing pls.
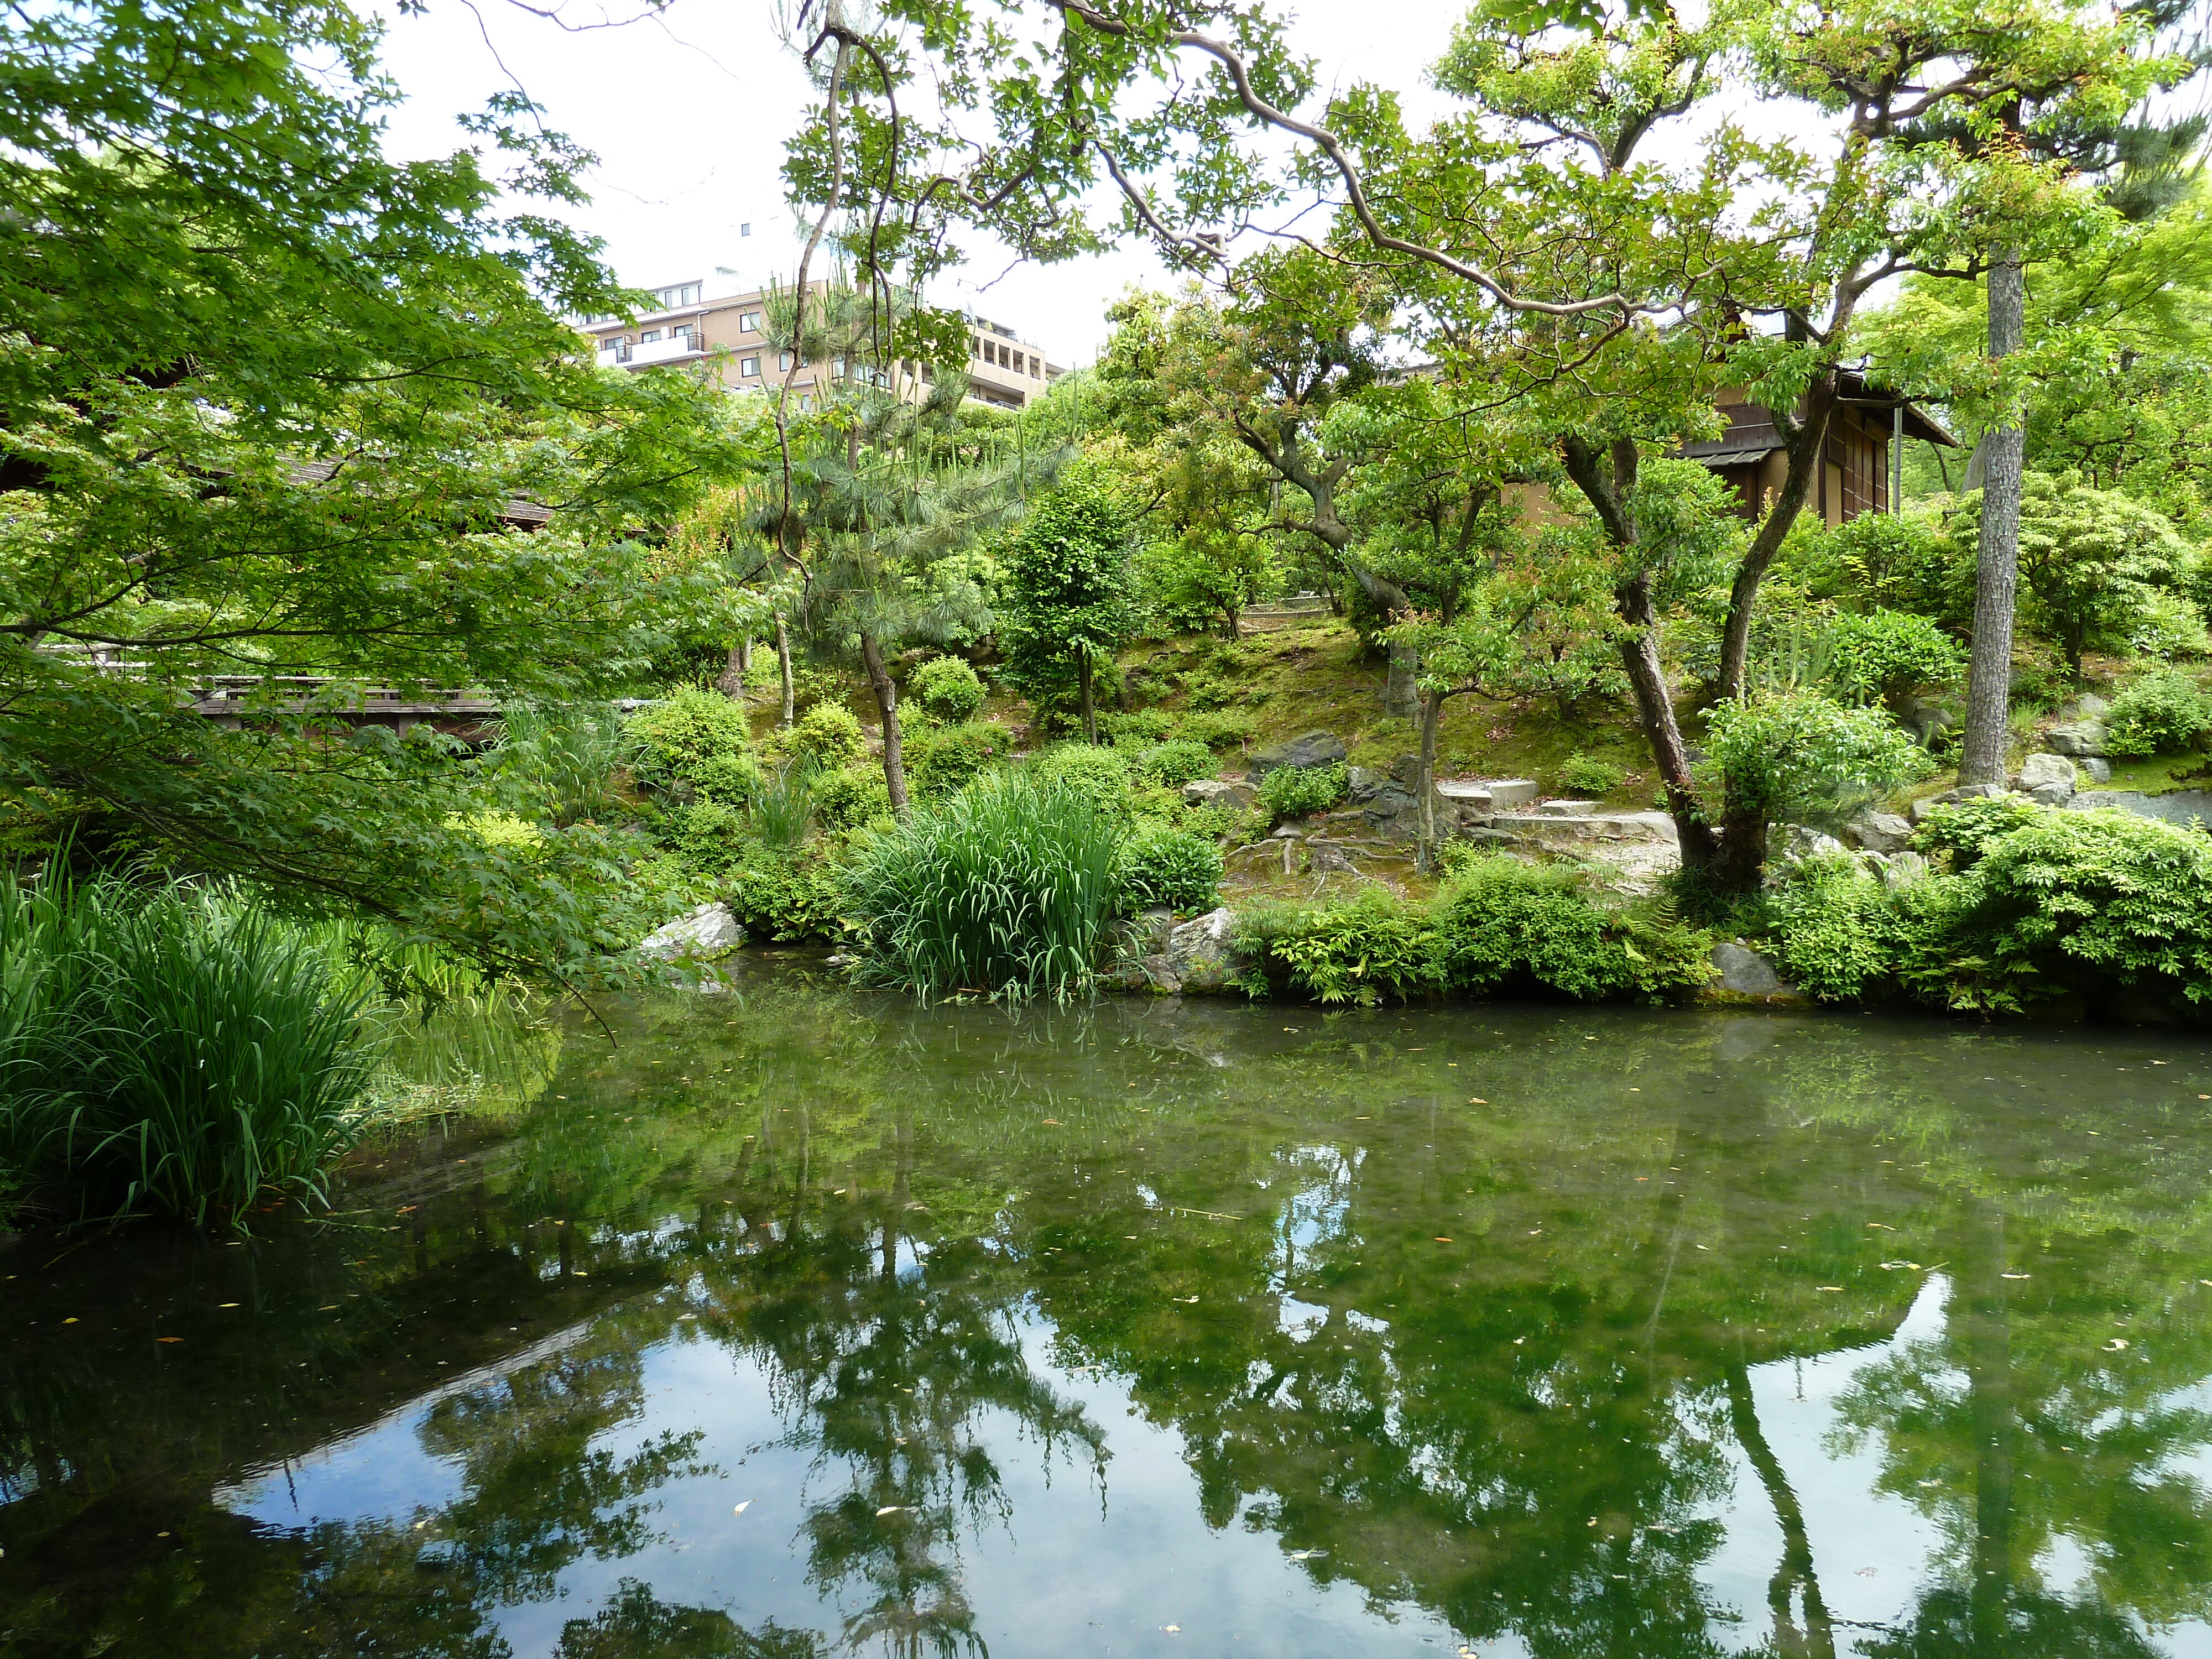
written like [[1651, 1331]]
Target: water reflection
[[812, 1324]]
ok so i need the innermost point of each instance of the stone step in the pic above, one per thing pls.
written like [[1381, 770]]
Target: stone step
[[1653, 827]]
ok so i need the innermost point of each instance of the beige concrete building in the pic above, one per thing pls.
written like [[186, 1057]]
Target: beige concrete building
[[724, 334]]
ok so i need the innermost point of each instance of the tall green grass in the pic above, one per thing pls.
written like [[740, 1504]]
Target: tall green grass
[[173, 1048], [1004, 889]]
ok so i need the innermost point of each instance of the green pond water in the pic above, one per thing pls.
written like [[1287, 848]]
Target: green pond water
[[806, 1321]]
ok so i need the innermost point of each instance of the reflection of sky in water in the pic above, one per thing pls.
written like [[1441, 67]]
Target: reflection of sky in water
[[1031, 1571]]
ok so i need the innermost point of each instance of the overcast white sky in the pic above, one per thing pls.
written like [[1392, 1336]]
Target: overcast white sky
[[689, 111]]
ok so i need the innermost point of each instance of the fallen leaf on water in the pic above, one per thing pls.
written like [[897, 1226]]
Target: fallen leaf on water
[[1866, 1572], [1476, 1100], [2116, 1346], [1441, 1239], [226, 1304], [1827, 1287], [168, 1339], [743, 1507], [891, 1509], [1054, 1122], [1884, 1225], [2012, 1275], [1171, 1629]]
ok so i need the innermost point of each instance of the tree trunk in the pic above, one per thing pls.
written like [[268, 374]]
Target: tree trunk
[[1236, 621], [1996, 572], [1402, 692], [1702, 850], [745, 654], [1986, 1337], [783, 668], [887, 690], [732, 682], [1083, 679], [1425, 779], [1806, 459], [1794, 1576]]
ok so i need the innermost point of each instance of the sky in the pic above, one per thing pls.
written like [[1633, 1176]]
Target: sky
[[688, 112]]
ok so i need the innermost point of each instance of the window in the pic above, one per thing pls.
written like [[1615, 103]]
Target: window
[[683, 294], [783, 359], [928, 373], [749, 321], [1033, 368], [745, 229], [648, 335], [682, 332], [748, 366]]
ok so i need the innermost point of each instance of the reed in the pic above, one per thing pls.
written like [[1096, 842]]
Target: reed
[[174, 1049], [1005, 888]]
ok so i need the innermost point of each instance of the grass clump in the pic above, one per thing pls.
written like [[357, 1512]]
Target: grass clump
[[1177, 868], [1005, 889], [174, 1049]]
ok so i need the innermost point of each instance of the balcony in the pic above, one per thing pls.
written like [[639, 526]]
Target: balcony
[[676, 349]]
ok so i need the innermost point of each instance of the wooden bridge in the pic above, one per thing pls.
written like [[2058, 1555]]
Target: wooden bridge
[[237, 700]]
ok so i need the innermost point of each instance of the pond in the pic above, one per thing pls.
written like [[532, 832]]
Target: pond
[[808, 1322]]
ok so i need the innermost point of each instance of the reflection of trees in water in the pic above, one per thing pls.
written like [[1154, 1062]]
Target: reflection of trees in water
[[636, 1625]]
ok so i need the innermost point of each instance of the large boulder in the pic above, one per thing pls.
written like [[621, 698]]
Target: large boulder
[[1198, 957], [1927, 804], [1878, 832], [2077, 737], [700, 935], [1311, 749], [2179, 807], [1219, 792], [1145, 934], [1749, 973], [2047, 778], [1792, 843]]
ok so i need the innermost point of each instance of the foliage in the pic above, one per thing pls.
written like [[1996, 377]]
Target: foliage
[[2094, 563], [689, 738], [1294, 791], [783, 805], [948, 687], [2161, 713], [851, 797], [707, 835], [1064, 596], [1005, 889], [172, 1049], [1206, 575], [949, 757], [786, 897], [1884, 654], [1177, 868], [1227, 729], [1588, 775], [826, 737], [2039, 904], [1174, 765], [556, 764], [1100, 776], [1798, 756], [1497, 927]]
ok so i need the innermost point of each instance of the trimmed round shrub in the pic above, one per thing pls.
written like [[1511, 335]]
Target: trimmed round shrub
[[850, 797], [2161, 713], [948, 687], [1293, 792], [1886, 653], [1161, 865], [1174, 765], [674, 740], [827, 735], [732, 780], [1100, 776], [1223, 729], [1586, 774], [950, 757]]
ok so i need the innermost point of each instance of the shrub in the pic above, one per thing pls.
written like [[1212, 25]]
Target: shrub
[[948, 688], [1203, 692], [1886, 653], [2160, 714], [950, 757], [1499, 926], [173, 1050], [851, 797], [1586, 774], [1292, 792], [732, 780], [1160, 866], [1798, 756], [1138, 729], [2060, 903], [672, 741], [789, 900], [1174, 765], [1099, 776], [707, 834], [1226, 729], [827, 736], [1005, 888]]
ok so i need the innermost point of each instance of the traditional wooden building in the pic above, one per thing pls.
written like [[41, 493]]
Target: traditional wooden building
[[1855, 473]]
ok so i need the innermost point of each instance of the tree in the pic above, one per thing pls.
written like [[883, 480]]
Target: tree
[[1066, 598], [276, 404]]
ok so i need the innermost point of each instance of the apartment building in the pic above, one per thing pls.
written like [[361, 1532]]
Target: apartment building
[[725, 333]]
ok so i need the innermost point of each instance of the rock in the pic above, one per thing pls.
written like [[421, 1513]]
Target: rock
[[1930, 717], [2077, 737], [1927, 804], [2091, 707], [1903, 869], [2041, 771], [1788, 844], [1878, 832], [1198, 956], [1312, 749], [1361, 783], [2179, 807], [1568, 809], [1144, 935], [1749, 973], [712, 930], [1467, 797], [1160, 975], [1507, 793], [2097, 771], [1217, 791]]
